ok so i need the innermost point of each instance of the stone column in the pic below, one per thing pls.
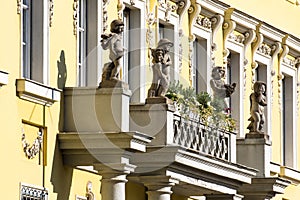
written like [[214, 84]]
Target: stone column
[[113, 180], [255, 151], [159, 187], [224, 197]]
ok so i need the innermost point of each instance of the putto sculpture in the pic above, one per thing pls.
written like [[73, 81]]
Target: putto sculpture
[[258, 100], [220, 89], [113, 42], [161, 68]]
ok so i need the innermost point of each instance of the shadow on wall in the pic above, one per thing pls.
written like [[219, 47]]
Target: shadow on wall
[[61, 176], [62, 71]]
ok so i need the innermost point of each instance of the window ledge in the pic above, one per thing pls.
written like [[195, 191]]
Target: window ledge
[[290, 174], [3, 78], [36, 92]]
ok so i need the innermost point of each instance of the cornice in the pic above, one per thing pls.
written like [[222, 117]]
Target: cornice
[[213, 7]]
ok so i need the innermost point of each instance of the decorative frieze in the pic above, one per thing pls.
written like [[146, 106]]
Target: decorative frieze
[[239, 38], [203, 21], [75, 16], [289, 61], [32, 150], [51, 13], [105, 14], [264, 49]]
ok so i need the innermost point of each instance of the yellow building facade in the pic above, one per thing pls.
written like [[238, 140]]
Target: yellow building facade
[[65, 138]]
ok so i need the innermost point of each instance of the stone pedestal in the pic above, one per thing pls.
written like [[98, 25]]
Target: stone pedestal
[[224, 197], [155, 118], [93, 109], [159, 187], [255, 151]]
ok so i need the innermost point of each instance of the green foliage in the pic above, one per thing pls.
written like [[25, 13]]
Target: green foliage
[[210, 110]]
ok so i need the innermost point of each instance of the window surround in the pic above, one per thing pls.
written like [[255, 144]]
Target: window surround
[[39, 45], [171, 18], [287, 70], [77, 197], [203, 33], [3, 78], [139, 51], [237, 97], [38, 189], [36, 92]]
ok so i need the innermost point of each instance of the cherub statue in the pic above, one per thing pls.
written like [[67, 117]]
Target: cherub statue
[[257, 102], [161, 69], [114, 43], [220, 88]]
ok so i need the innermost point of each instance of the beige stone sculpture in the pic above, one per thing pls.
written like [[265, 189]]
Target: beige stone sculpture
[[258, 101], [220, 89], [161, 69], [113, 42]]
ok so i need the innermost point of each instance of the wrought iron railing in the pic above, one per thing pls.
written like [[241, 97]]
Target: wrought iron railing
[[203, 139]]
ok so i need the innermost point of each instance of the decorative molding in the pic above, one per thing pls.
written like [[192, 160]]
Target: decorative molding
[[89, 193], [32, 150], [120, 9], [281, 56], [75, 16], [204, 22], [249, 38], [51, 13], [36, 92], [19, 6], [105, 14], [228, 27], [183, 6], [264, 49], [216, 23], [289, 61], [297, 65], [150, 20], [180, 49], [194, 12], [169, 9], [275, 51], [239, 38], [132, 2], [254, 46]]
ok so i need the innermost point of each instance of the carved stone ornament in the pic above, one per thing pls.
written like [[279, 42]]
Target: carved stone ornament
[[183, 7], [237, 38], [149, 35], [32, 150], [120, 9], [89, 193], [19, 6], [264, 49], [255, 45], [161, 69], [75, 16], [282, 55], [105, 14], [114, 43], [205, 22], [168, 7], [297, 65], [216, 24], [51, 13], [275, 51], [258, 100]]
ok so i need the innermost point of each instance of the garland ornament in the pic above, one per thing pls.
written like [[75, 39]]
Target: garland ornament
[[32, 150]]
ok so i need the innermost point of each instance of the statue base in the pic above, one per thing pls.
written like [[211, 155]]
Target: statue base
[[113, 84], [257, 135], [158, 100]]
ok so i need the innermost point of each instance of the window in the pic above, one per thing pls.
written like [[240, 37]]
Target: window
[[134, 41], [88, 38], [81, 42], [288, 106], [34, 40], [200, 75], [29, 192]]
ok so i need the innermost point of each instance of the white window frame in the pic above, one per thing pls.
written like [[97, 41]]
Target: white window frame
[[202, 34], [33, 187], [237, 98], [37, 58], [267, 61], [173, 21], [136, 67], [291, 155], [89, 65], [77, 197]]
